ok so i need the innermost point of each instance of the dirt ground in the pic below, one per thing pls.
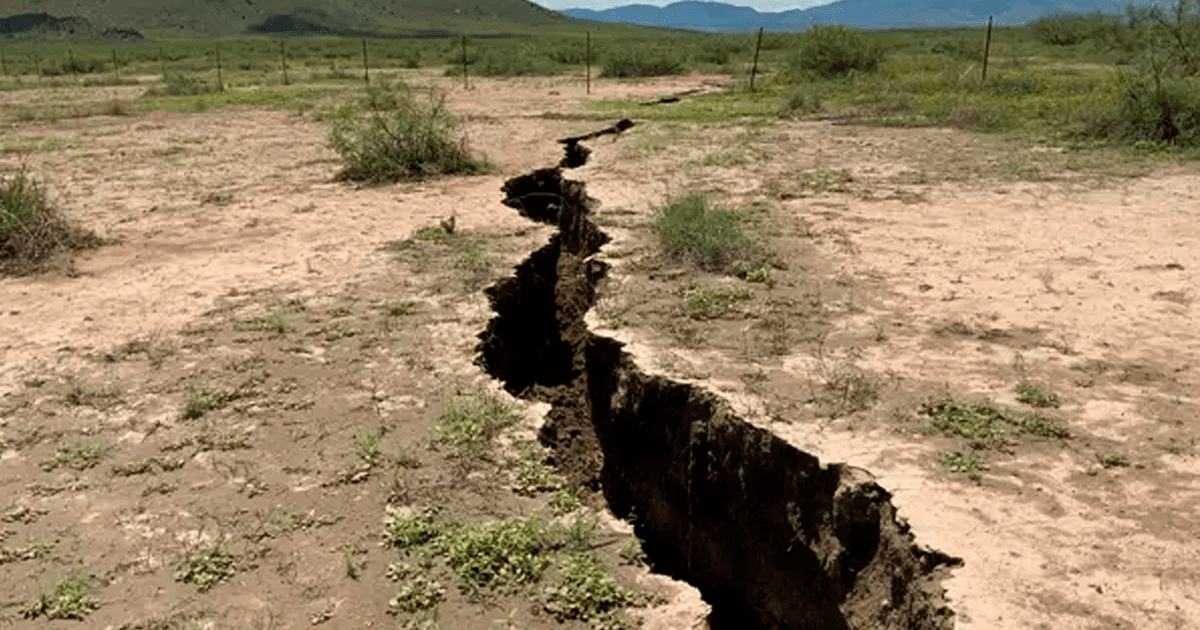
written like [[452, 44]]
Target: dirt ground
[[928, 260]]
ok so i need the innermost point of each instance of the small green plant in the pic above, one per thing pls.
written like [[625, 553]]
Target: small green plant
[[416, 594], [206, 566], [831, 51], [1112, 460], [967, 463], [70, 599], [414, 529], [846, 389], [147, 465], [399, 308], [32, 229], [354, 564], [391, 135], [706, 304], [691, 229], [585, 591], [532, 475], [80, 457], [498, 554], [201, 401], [275, 321], [565, 500], [987, 426], [632, 553], [1034, 395], [367, 446], [467, 425]]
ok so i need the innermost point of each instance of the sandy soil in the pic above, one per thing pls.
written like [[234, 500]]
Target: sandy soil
[[936, 260]]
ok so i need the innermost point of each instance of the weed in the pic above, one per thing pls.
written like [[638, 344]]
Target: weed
[[95, 397], [1034, 395], [391, 135], [398, 308], [275, 321], [414, 530], [633, 553], [76, 458], [1112, 460], [585, 591], [576, 535], [32, 229], [467, 425], [532, 475], [985, 425], [691, 229], [565, 500], [494, 554], [704, 304], [367, 446], [846, 389], [354, 564], [963, 463], [70, 599], [799, 103], [205, 567], [202, 401], [416, 594], [339, 331], [147, 465]]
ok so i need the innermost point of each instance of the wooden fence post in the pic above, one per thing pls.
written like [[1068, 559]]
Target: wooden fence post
[[220, 82], [71, 56], [588, 56], [283, 62], [754, 69], [466, 83], [116, 72], [987, 46], [366, 72], [3, 63], [162, 62]]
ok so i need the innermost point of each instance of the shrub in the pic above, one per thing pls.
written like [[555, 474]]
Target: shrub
[[569, 52], [32, 230], [391, 135], [799, 103], [960, 48], [1161, 110], [640, 63], [1058, 29], [691, 229], [179, 84], [830, 51]]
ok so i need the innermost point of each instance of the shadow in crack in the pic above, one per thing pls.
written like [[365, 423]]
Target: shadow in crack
[[772, 538]]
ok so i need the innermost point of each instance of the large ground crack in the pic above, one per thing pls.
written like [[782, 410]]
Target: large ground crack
[[772, 538]]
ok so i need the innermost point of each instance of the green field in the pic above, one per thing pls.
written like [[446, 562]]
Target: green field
[[1079, 80]]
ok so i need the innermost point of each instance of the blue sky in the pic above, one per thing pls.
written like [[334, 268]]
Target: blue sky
[[772, 6]]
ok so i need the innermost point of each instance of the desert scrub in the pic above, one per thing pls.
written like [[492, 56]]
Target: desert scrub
[[585, 591], [179, 84], [692, 229], [498, 554], [32, 228], [205, 567], [704, 304], [987, 426], [637, 62], [832, 51], [393, 134]]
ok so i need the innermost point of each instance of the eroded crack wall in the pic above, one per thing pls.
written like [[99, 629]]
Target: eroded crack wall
[[772, 538]]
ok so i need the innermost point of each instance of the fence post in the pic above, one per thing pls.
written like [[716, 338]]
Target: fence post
[[3, 63], [466, 83], [162, 62], [987, 46], [220, 82], [366, 71], [283, 62], [588, 54], [116, 71], [754, 68], [71, 56]]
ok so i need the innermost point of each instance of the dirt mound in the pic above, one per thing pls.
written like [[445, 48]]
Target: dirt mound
[[290, 25], [772, 538]]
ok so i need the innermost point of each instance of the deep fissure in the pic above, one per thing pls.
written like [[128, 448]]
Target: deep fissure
[[770, 536]]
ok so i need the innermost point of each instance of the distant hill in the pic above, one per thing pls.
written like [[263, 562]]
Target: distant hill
[[44, 25], [297, 17], [717, 16]]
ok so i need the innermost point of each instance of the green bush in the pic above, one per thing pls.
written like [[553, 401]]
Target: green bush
[[712, 238], [32, 229], [800, 102], [569, 53], [1158, 111], [1058, 29], [640, 63], [179, 84], [831, 51], [391, 134], [960, 48]]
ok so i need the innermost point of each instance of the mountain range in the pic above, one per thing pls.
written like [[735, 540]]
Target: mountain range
[[720, 17]]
